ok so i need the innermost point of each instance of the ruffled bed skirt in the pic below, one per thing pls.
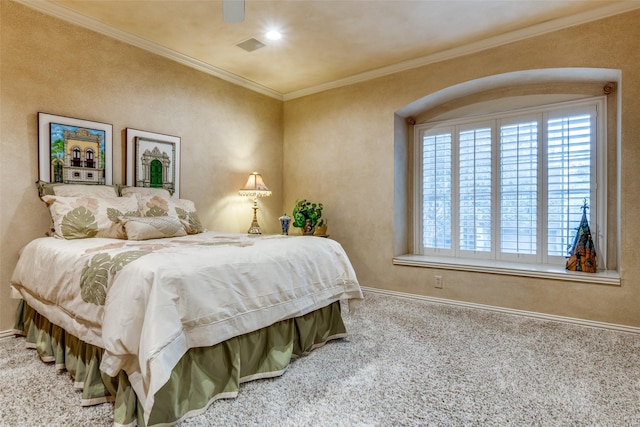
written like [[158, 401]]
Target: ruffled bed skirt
[[202, 376]]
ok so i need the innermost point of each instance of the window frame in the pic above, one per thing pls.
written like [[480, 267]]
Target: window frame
[[597, 214]]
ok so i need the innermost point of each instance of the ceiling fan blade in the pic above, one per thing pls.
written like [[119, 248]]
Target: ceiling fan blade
[[233, 10]]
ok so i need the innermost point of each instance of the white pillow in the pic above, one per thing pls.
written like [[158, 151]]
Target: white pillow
[[79, 190], [144, 191], [75, 190], [155, 227]]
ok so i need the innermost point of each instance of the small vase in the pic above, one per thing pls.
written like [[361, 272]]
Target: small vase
[[284, 223], [308, 229]]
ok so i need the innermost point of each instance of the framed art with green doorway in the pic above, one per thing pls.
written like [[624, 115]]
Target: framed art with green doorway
[[153, 160]]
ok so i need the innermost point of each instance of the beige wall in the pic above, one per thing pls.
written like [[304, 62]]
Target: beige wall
[[50, 66], [339, 149]]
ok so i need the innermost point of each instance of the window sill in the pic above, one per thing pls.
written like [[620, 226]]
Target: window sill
[[607, 277]]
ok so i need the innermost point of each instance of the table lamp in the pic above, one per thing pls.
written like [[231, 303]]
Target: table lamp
[[255, 188]]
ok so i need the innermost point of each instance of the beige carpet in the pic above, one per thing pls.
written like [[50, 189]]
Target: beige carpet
[[405, 363]]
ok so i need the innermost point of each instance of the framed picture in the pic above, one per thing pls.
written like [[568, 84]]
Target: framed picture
[[74, 151], [153, 160]]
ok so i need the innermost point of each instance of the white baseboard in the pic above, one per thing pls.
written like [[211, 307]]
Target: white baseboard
[[582, 322], [6, 334]]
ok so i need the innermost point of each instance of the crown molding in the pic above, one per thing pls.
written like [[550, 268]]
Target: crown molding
[[491, 42], [535, 30], [99, 27]]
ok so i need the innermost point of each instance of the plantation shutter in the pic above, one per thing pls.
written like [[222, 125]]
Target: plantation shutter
[[519, 188], [436, 160], [510, 187], [474, 185], [569, 176]]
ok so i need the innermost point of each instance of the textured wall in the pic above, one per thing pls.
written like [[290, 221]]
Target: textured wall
[[348, 135], [51, 66], [338, 147]]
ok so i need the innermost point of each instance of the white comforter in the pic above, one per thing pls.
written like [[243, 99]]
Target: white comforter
[[146, 303]]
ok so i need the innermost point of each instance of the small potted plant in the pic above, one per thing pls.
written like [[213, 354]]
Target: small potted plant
[[306, 216]]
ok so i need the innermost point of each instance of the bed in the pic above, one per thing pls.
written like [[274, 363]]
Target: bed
[[164, 326]]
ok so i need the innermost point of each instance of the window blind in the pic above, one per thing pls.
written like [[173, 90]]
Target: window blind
[[569, 178], [474, 185], [519, 187], [436, 187]]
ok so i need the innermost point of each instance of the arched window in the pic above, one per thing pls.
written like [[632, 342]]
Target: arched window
[[58, 168], [509, 186], [499, 169], [89, 159], [76, 157]]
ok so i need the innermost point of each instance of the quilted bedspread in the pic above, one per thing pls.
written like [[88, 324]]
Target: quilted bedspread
[[147, 302]]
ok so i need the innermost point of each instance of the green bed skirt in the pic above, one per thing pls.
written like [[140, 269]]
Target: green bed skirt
[[202, 376]]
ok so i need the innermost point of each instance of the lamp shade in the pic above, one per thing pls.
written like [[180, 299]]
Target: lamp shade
[[255, 187]]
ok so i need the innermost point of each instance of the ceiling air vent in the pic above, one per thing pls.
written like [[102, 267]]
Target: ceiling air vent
[[251, 45]]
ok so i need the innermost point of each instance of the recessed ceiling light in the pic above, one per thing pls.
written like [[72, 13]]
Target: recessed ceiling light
[[274, 35]]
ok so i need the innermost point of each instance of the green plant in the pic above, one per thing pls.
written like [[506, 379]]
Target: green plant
[[306, 211]]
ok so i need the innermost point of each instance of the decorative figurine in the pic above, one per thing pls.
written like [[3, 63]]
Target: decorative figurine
[[284, 222], [582, 255]]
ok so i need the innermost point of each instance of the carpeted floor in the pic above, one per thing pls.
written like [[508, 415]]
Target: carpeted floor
[[405, 363]]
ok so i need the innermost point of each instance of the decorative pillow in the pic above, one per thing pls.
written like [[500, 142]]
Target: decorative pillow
[[76, 190], [126, 191], [183, 209], [154, 227], [83, 217]]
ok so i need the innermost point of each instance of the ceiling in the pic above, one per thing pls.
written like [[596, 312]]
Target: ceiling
[[325, 43]]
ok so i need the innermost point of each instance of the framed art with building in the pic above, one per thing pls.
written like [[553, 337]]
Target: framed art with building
[[153, 160], [74, 151]]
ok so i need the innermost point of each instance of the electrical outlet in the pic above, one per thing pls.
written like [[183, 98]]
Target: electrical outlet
[[438, 281]]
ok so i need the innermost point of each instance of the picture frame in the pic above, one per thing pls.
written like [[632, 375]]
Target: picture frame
[[153, 160], [74, 151]]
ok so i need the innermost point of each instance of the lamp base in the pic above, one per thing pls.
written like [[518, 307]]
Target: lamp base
[[255, 227]]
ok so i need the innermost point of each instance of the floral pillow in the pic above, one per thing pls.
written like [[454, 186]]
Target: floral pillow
[[155, 227], [85, 217], [183, 209]]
